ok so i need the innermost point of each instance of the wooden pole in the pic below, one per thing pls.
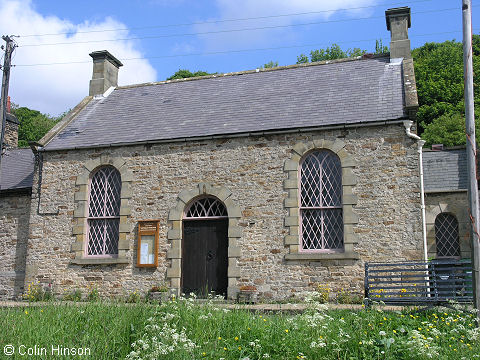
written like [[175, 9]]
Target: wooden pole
[[471, 149], [10, 46]]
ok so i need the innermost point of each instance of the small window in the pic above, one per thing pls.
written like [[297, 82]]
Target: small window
[[104, 212], [446, 236], [321, 210]]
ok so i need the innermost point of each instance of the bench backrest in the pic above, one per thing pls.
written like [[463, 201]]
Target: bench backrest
[[434, 281]]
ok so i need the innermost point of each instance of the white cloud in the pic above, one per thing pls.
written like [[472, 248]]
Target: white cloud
[[56, 88], [234, 9]]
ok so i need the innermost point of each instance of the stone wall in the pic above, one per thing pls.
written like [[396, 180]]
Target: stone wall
[[384, 162], [11, 134], [14, 228], [455, 203]]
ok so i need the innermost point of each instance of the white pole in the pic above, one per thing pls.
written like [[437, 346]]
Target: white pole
[[471, 148]]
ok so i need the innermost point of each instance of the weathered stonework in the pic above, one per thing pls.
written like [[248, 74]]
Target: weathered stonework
[[11, 133], [455, 203], [381, 173], [14, 227]]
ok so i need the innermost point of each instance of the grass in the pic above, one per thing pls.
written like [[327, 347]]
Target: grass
[[185, 330], [107, 329]]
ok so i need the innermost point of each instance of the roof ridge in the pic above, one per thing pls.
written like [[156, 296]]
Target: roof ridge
[[258, 70]]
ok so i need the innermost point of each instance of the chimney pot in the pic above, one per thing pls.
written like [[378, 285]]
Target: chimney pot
[[398, 21], [105, 72]]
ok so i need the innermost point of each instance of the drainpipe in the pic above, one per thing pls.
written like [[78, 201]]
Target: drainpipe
[[408, 124]]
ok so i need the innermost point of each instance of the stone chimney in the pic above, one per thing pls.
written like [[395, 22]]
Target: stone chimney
[[10, 139], [105, 72], [398, 22]]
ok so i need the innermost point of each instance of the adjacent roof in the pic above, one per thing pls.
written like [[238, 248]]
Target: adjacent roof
[[341, 92], [445, 170], [17, 169]]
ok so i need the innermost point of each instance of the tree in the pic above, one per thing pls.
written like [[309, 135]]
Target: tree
[[33, 124], [448, 130], [184, 73], [380, 48], [330, 53], [439, 76], [270, 65]]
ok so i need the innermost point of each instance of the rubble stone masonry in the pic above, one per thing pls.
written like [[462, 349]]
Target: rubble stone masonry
[[14, 220], [384, 164]]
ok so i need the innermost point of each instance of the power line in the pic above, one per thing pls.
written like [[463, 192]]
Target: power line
[[224, 21], [235, 51], [225, 31]]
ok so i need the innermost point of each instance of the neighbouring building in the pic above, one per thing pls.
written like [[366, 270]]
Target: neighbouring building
[[448, 219], [15, 194], [273, 179]]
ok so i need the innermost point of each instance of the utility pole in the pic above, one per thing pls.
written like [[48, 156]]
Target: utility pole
[[471, 150], [10, 46]]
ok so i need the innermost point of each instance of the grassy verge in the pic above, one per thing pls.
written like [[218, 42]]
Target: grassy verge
[[186, 330], [107, 329]]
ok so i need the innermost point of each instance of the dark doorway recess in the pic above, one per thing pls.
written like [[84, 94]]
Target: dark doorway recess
[[205, 256]]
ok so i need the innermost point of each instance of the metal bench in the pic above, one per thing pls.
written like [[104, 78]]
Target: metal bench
[[430, 283]]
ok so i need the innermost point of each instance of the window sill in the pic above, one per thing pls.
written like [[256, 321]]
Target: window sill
[[322, 256], [99, 261]]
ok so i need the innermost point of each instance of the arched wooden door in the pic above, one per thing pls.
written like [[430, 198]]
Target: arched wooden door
[[205, 247]]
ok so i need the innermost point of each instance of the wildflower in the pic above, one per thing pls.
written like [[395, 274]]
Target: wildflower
[[224, 348], [286, 330], [219, 338], [239, 348], [360, 343], [382, 333], [204, 354], [26, 312], [236, 338]]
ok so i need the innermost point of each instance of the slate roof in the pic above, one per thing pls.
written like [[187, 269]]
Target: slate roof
[[344, 92], [17, 169], [445, 170]]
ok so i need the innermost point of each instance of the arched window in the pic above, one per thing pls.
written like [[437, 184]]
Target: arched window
[[446, 235], [104, 212], [206, 207], [321, 214]]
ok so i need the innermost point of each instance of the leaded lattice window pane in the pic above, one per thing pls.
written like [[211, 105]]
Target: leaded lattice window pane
[[105, 190], [206, 207], [321, 201], [104, 212], [103, 236], [446, 235]]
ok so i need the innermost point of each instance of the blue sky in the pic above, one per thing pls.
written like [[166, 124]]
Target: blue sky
[[161, 45]]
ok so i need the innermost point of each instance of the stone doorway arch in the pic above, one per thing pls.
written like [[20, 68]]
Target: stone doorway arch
[[175, 234]]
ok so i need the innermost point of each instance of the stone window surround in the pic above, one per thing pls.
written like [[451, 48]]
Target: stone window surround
[[463, 227], [291, 203], [175, 234], [81, 212]]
